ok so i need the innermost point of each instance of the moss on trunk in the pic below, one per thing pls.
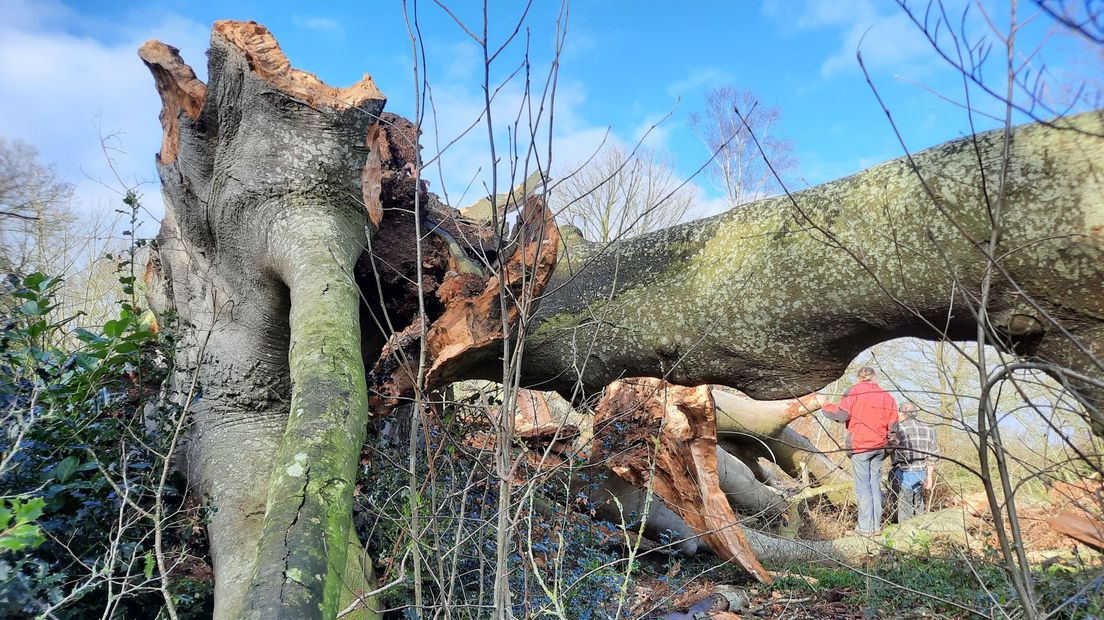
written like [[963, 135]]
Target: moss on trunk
[[775, 298], [308, 519]]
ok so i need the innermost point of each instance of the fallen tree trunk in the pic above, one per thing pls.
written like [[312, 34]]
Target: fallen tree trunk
[[745, 493], [793, 453], [741, 413], [786, 292], [752, 429], [950, 525]]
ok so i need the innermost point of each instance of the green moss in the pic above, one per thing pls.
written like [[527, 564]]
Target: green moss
[[309, 517]]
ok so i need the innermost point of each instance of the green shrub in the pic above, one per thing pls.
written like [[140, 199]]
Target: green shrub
[[80, 463]]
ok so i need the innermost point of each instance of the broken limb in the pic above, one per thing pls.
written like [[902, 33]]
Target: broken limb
[[669, 445]]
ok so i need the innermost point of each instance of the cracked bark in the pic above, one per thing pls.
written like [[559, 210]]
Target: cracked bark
[[302, 550], [268, 177]]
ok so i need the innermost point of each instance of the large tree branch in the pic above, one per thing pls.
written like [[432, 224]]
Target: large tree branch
[[776, 297]]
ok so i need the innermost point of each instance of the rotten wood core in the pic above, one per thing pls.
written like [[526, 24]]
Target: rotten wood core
[[465, 322], [681, 467]]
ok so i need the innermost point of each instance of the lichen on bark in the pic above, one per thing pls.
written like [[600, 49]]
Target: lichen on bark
[[308, 517], [776, 297]]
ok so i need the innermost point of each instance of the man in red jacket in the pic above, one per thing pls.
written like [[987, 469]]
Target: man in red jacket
[[869, 412]]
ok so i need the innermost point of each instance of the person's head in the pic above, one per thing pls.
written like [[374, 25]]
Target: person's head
[[908, 411], [866, 373]]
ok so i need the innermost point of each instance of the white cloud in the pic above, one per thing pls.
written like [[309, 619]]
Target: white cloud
[[881, 31], [65, 87], [706, 207], [68, 76], [885, 41], [324, 26], [654, 132], [698, 80], [464, 169]]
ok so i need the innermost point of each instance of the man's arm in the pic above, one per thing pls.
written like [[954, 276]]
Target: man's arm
[[838, 413], [895, 439]]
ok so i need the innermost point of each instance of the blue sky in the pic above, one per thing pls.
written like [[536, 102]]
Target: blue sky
[[69, 70]]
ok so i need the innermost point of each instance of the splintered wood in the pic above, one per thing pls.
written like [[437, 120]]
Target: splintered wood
[[468, 331], [652, 432], [268, 61], [1080, 526], [180, 90]]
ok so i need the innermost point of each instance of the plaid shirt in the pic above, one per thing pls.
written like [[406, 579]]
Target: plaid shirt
[[914, 446]]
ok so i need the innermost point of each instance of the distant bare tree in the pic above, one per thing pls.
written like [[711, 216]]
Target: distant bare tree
[[32, 204], [739, 168], [623, 194]]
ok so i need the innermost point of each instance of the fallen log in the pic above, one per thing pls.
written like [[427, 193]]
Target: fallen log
[[626, 505], [795, 455], [745, 493], [754, 429], [1080, 526], [783, 294], [950, 525], [737, 411]]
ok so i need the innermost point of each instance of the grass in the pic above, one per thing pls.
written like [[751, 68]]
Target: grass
[[905, 586]]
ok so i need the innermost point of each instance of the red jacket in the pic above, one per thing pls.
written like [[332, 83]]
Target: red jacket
[[869, 412]]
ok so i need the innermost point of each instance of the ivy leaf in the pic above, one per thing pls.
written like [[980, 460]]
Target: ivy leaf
[[65, 469], [114, 328], [34, 280], [21, 537], [29, 510]]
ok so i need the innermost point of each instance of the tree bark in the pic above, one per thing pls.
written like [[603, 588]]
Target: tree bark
[[745, 493], [795, 454], [308, 518], [271, 183], [741, 413], [752, 429], [776, 297], [950, 525]]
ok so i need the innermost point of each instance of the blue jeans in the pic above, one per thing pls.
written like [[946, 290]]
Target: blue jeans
[[910, 493], [867, 470]]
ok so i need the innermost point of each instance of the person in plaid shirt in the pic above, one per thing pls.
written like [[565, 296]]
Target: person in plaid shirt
[[914, 454]]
